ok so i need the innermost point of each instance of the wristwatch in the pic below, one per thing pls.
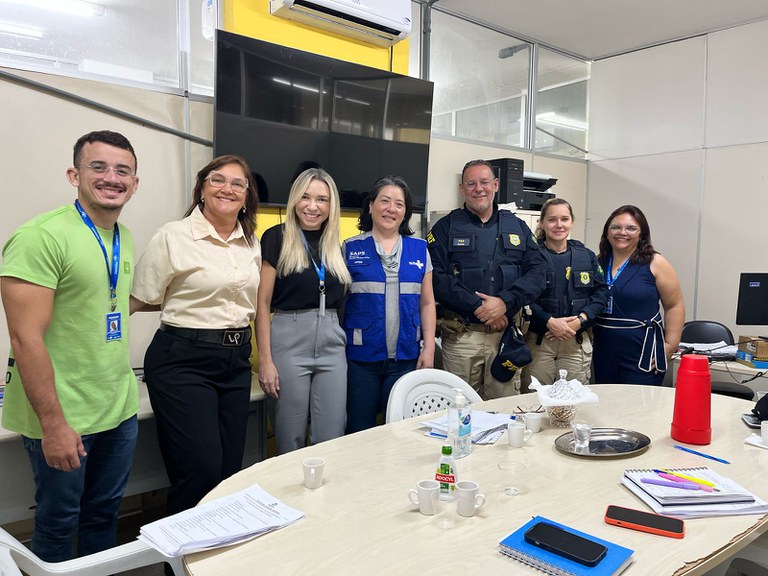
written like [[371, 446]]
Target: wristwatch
[[582, 320]]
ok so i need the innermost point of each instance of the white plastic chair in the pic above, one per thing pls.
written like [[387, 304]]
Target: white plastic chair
[[425, 391], [15, 557]]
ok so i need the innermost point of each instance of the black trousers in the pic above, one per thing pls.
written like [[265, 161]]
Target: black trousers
[[200, 393]]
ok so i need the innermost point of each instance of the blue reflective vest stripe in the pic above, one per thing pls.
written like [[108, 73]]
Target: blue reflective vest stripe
[[365, 310]]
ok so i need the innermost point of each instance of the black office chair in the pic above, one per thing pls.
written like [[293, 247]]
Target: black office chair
[[706, 332], [709, 332]]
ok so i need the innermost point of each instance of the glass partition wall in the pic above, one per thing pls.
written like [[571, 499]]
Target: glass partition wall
[[165, 45], [483, 78]]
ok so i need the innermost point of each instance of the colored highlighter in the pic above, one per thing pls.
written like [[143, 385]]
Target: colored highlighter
[[671, 484], [679, 479]]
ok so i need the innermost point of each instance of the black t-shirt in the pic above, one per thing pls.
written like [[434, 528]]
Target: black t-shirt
[[300, 291]]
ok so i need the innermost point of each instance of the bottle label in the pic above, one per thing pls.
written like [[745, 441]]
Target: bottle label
[[445, 478], [465, 426]]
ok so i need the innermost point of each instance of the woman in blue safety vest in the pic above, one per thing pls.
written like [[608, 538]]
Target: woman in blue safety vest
[[390, 307], [576, 293], [632, 341]]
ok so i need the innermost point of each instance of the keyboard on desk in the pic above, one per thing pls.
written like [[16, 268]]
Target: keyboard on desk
[[715, 357]]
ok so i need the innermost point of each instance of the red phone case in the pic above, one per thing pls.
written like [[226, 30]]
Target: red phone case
[[642, 527]]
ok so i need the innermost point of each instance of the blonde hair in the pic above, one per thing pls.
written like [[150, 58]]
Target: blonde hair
[[293, 256]]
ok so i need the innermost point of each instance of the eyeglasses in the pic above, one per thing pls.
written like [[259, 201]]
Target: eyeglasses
[[615, 228], [472, 184], [218, 180], [102, 168]]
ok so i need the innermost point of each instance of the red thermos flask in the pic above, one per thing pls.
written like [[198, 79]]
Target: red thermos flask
[[691, 421]]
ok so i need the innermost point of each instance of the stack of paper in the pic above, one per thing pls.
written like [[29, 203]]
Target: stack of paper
[[486, 426], [228, 520], [728, 498]]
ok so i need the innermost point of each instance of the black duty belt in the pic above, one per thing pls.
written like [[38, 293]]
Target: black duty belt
[[471, 326], [226, 337]]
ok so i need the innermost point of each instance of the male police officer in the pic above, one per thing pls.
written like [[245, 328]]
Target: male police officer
[[487, 266]]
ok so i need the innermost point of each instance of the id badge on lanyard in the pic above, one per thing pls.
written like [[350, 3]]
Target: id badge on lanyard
[[320, 275], [611, 280], [113, 323]]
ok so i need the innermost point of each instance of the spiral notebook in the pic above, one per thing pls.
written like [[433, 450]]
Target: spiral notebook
[[727, 491], [615, 561]]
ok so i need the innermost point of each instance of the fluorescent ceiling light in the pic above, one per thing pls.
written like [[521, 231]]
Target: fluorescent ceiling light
[[74, 7], [20, 30], [296, 85], [562, 121]]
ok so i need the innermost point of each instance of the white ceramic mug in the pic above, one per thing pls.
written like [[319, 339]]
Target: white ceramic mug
[[313, 472], [469, 498], [422, 495], [532, 420], [517, 434], [764, 431]]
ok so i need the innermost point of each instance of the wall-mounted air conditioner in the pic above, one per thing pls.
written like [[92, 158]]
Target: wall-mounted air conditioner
[[380, 22]]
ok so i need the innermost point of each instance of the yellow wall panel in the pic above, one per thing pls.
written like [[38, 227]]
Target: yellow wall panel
[[252, 18], [269, 216]]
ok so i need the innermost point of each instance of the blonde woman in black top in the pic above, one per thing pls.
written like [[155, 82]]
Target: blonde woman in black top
[[302, 361]]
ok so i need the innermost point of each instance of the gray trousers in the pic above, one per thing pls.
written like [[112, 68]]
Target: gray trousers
[[309, 353]]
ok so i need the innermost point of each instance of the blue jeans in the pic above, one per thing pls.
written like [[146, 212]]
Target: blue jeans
[[368, 388], [85, 500]]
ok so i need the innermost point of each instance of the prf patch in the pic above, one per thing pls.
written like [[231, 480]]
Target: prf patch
[[460, 241], [514, 239], [509, 365], [430, 238], [600, 269], [584, 277]]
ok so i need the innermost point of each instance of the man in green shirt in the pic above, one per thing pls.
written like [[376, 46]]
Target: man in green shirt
[[65, 282]]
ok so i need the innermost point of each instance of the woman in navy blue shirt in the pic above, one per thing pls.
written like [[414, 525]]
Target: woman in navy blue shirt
[[633, 340]]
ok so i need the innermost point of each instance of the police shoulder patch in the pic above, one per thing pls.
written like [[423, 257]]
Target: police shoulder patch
[[514, 239], [584, 277]]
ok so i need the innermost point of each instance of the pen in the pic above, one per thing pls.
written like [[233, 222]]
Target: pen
[[671, 484], [688, 478], [674, 478], [691, 451]]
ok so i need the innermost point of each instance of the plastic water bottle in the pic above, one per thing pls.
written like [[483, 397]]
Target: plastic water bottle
[[460, 425], [446, 474]]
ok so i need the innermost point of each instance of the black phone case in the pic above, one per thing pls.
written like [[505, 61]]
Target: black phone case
[[565, 544]]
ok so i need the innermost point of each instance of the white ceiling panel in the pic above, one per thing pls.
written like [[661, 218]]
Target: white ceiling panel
[[595, 29]]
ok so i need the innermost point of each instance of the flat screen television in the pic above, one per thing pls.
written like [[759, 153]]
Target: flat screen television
[[285, 110], [752, 307]]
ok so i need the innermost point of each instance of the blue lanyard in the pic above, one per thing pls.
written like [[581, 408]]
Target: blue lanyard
[[609, 278], [115, 270], [321, 270]]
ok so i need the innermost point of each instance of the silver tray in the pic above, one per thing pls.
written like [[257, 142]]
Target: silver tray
[[606, 443]]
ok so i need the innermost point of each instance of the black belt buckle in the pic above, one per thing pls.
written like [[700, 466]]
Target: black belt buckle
[[233, 338]]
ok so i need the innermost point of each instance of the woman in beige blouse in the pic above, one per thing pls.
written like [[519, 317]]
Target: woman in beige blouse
[[203, 274]]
